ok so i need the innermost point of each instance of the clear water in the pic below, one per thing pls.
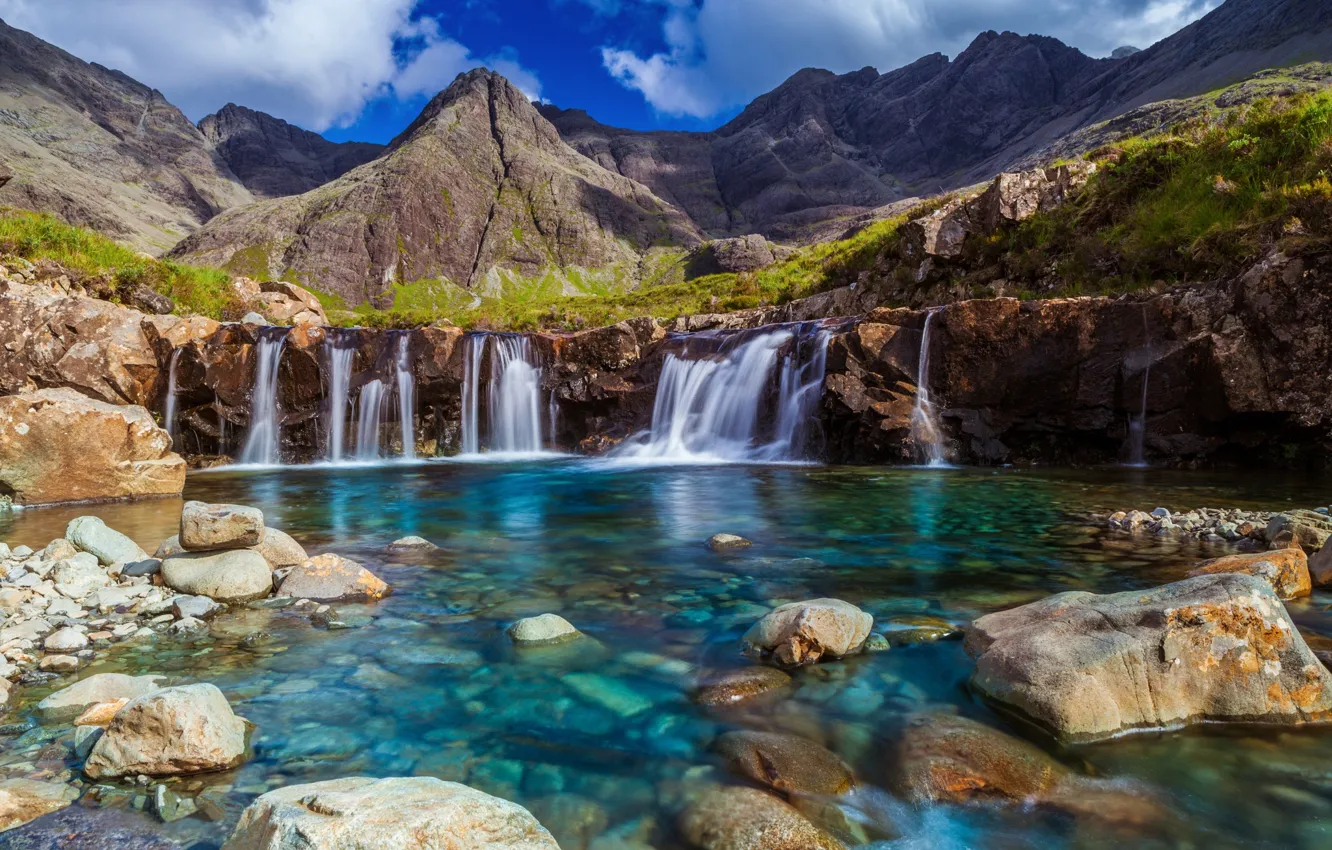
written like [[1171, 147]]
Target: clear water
[[431, 685]]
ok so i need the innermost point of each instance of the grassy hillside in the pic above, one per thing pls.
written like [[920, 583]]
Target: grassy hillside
[[1196, 203]]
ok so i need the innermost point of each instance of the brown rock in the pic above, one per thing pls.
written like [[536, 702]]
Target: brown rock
[[735, 686], [333, 578], [787, 763], [1287, 570], [180, 730], [749, 819], [801, 633], [102, 713], [205, 527], [945, 758], [1320, 567], [61, 446]]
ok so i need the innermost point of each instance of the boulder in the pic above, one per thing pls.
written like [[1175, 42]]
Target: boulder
[[89, 534], [1320, 567], [288, 304], [801, 633], [416, 813], [737, 254], [949, 759], [232, 575], [205, 527], [1308, 530], [171, 731], [547, 628], [279, 550], [58, 445], [333, 578], [735, 686], [68, 639], [749, 819], [727, 542], [24, 800], [79, 576], [1286, 570], [68, 703], [1211, 648], [787, 763]]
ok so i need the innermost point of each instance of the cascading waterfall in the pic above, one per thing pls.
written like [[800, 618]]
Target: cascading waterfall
[[169, 414], [513, 396], [367, 424], [262, 442], [406, 395], [715, 408], [340, 351], [925, 430]]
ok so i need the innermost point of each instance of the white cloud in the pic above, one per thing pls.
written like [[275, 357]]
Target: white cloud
[[316, 63], [722, 53]]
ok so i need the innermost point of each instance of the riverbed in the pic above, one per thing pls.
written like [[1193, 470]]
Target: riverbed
[[600, 737]]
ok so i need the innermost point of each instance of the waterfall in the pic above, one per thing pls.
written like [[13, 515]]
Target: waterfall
[[340, 350], [717, 407], [262, 441], [513, 396], [925, 430], [169, 414], [406, 394], [367, 425], [1137, 430]]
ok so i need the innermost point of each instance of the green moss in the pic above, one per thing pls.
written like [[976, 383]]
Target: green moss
[[251, 262]]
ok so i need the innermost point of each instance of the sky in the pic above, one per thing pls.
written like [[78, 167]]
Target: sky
[[362, 69]]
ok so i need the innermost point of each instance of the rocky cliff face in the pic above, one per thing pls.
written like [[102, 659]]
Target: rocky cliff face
[[273, 158], [823, 147], [103, 150], [479, 186]]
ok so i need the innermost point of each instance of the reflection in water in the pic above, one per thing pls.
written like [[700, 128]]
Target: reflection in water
[[431, 686]]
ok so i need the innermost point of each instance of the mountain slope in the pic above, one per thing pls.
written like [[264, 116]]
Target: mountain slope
[[103, 150], [478, 189], [273, 158], [824, 147]]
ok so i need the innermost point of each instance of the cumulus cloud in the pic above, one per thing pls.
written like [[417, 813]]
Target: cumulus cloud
[[721, 53], [316, 63]]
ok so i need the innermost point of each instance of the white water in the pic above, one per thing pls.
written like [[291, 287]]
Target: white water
[[716, 408], [406, 395], [169, 414], [925, 430], [514, 405], [341, 353], [262, 441], [367, 425]]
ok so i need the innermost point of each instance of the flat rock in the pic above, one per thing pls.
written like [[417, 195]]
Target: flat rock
[[24, 800], [411, 544], [206, 527], [199, 607], [333, 578], [728, 542], [801, 633], [89, 534], [735, 686], [1286, 570], [1215, 648], [232, 575], [416, 813], [68, 703], [179, 730], [749, 819], [786, 763], [547, 628]]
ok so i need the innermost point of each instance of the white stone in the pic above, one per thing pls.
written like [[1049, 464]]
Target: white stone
[[90, 534], [68, 639]]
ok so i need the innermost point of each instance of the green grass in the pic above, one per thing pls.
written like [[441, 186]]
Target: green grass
[[113, 271]]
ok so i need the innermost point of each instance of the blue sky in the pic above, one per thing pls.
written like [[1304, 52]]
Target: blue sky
[[362, 69]]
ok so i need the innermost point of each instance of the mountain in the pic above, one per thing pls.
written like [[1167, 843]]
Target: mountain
[[103, 150], [480, 189], [824, 147], [273, 158]]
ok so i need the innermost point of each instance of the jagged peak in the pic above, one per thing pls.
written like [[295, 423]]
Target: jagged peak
[[477, 84]]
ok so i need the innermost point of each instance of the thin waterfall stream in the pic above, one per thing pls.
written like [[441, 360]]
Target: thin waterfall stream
[[1137, 427], [925, 429], [402, 366], [262, 443], [169, 413], [367, 424], [340, 353]]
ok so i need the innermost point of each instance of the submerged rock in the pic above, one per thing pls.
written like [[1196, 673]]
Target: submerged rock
[[801, 633], [1286, 570], [68, 703], [205, 527], [728, 542], [85, 828], [734, 686], [180, 730], [749, 819], [547, 628], [417, 813], [412, 544], [24, 800], [1215, 647], [786, 763], [231, 575], [333, 578]]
